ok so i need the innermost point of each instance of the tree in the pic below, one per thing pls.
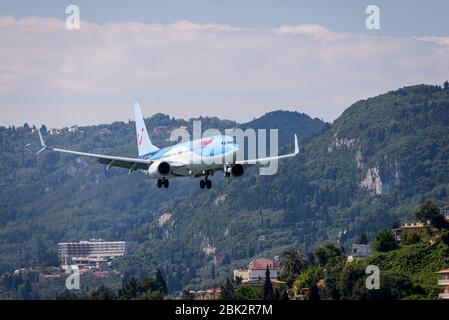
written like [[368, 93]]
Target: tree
[[227, 290], [307, 278], [244, 292], [410, 238], [429, 211], [130, 291], [151, 289], [294, 261], [446, 85], [363, 239], [277, 294], [25, 290], [268, 293], [103, 293], [445, 237], [328, 254], [384, 241], [160, 282], [313, 294]]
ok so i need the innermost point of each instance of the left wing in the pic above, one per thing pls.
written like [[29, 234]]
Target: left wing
[[267, 159], [111, 161]]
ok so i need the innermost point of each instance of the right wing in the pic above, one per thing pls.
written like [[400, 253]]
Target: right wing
[[267, 159], [111, 161]]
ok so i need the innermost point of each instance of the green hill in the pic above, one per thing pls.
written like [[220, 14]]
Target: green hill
[[418, 262], [368, 170]]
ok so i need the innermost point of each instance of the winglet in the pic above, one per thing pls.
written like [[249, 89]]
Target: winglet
[[296, 145], [43, 145]]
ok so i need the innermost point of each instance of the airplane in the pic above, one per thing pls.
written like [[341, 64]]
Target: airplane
[[180, 160]]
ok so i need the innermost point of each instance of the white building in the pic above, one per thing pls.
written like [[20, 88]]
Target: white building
[[91, 253], [256, 270], [73, 129], [443, 281], [54, 131], [359, 251]]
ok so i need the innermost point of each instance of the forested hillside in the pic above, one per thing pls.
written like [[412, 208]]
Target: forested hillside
[[367, 171]]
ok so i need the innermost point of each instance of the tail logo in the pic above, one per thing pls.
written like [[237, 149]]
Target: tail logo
[[140, 137]]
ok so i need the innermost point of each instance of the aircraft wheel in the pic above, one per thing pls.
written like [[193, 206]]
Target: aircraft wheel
[[166, 183], [202, 184], [208, 184], [159, 183]]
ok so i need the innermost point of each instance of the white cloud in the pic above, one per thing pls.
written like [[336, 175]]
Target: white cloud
[[60, 77], [316, 31]]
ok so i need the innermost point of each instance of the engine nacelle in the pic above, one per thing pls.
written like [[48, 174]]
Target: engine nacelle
[[159, 168], [236, 170]]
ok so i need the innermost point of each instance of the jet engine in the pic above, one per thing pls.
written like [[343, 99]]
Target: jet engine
[[159, 168], [235, 169]]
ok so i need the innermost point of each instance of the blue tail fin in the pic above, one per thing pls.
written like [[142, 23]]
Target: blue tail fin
[[143, 140]]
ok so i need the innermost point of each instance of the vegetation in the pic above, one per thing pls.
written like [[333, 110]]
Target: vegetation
[[147, 289], [384, 241], [294, 261], [429, 211], [268, 292]]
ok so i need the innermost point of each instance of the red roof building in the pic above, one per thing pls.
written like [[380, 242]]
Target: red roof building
[[256, 270]]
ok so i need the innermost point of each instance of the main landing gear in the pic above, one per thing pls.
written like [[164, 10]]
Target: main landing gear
[[205, 183], [162, 182]]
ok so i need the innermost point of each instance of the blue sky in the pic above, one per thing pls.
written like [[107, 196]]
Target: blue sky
[[232, 59], [398, 17]]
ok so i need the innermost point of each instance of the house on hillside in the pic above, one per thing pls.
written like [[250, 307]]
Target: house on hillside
[[73, 129], [255, 273], [419, 227], [443, 280], [54, 131], [359, 252], [209, 294], [414, 227]]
